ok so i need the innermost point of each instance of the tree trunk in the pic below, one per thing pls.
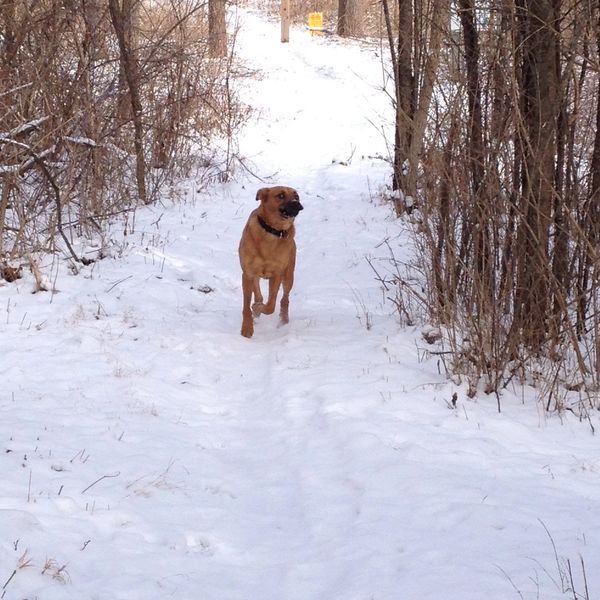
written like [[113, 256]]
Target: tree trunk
[[479, 222], [350, 18], [285, 20], [126, 10], [405, 95], [590, 269], [540, 91], [129, 65], [471, 43], [217, 29]]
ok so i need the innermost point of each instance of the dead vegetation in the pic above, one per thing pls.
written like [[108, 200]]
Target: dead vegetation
[[501, 178], [103, 105]]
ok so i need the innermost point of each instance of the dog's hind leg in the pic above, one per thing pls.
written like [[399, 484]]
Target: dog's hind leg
[[269, 307], [258, 299]]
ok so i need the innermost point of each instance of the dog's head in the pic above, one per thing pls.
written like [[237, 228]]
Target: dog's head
[[279, 203]]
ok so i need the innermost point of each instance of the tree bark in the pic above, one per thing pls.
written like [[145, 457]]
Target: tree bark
[[471, 43], [590, 269], [350, 18], [217, 29], [119, 18], [540, 91], [479, 222], [405, 95]]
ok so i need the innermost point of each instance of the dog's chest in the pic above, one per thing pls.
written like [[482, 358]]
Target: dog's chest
[[267, 267]]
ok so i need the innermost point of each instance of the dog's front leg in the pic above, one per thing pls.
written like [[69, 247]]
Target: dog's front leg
[[247, 321]]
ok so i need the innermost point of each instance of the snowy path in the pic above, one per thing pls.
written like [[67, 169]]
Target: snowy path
[[158, 454]]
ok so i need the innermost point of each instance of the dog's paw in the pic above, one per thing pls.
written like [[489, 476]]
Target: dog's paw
[[247, 329], [257, 309]]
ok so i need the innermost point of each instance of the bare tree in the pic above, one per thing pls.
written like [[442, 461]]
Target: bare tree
[[351, 14], [415, 56]]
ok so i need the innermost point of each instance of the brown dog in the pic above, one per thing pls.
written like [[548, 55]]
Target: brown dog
[[268, 251]]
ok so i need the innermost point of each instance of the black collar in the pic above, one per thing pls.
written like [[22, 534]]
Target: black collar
[[276, 232]]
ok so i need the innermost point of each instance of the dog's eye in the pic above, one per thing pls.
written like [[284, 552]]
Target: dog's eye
[[281, 196]]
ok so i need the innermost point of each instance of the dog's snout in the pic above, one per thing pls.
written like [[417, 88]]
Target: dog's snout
[[291, 209]]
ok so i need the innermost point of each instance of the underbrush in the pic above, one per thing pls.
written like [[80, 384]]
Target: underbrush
[[477, 350], [96, 122], [496, 170]]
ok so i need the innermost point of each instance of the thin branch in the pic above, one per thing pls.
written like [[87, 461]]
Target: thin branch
[[99, 480]]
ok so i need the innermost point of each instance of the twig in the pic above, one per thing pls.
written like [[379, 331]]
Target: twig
[[16, 89], [99, 480], [585, 583], [114, 285], [570, 572], [510, 581], [9, 580], [560, 570], [251, 172]]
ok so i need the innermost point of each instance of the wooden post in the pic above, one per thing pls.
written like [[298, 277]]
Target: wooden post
[[285, 20]]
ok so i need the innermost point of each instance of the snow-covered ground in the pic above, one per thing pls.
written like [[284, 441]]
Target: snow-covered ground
[[148, 451]]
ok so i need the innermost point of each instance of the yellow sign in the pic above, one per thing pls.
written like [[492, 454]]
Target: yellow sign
[[315, 23]]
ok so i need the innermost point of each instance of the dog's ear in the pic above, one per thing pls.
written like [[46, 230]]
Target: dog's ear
[[261, 194]]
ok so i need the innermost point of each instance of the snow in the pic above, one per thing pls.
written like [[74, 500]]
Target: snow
[[148, 451], [83, 141], [26, 128]]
